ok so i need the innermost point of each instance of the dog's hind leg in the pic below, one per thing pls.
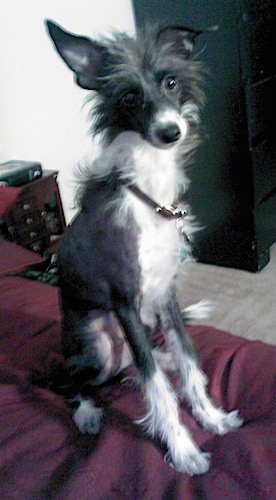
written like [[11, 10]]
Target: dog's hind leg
[[192, 379], [162, 416], [95, 350]]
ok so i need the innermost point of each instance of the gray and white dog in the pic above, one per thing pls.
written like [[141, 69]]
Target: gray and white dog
[[119, 259]]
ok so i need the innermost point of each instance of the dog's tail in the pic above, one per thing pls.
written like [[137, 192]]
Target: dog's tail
[[197, 312]]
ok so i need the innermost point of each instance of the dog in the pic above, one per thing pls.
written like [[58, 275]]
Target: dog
[[119, 259]]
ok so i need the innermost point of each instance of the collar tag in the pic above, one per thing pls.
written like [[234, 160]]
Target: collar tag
[[170, 211]]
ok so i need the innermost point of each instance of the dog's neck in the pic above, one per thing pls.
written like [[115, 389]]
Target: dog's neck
[[157, 172]]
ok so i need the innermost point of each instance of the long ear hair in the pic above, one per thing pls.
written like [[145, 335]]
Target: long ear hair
[[84, 57]]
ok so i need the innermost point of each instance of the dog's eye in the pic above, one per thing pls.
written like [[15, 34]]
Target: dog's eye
[[130, 99], [170, 83]]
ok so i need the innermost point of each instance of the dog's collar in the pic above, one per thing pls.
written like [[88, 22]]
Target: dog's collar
[[165, 211], [169, 212]]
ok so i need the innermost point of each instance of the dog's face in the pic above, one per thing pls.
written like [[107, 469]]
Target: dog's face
[[146, 84]]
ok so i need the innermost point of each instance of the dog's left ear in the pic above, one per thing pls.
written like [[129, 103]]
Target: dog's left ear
[[84, 57], [179, 38]]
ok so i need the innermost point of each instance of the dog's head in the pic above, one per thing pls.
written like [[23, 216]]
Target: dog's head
[[148, 84]]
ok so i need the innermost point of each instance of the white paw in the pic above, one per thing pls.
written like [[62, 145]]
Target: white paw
[[194, 463], [183, 454], [87, 417], [220, 422]]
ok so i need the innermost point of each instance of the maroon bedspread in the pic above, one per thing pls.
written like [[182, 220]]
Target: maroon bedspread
[[42, 455]]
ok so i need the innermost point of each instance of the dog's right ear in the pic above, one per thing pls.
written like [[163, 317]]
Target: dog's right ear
[[179, 38], [83, 56]]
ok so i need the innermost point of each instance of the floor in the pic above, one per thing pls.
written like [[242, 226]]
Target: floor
[[243, 302]]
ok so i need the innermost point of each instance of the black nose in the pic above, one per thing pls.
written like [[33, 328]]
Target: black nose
[[168, 133]]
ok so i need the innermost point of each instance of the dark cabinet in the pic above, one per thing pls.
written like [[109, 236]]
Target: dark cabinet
[[234, 173], [36, 221]]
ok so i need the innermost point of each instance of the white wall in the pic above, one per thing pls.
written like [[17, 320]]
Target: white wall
[[41, 115]]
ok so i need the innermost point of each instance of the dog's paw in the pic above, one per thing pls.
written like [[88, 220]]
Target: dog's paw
[[193, 463], [229, 422], [87, 417], [220, 422], [183, 454]]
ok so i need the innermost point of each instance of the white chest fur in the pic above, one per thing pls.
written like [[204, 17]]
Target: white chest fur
[[157, 172], [159, 241], [159, 250]]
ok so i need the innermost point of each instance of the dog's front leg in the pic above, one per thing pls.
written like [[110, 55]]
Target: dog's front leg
[[192, 379], [162, 416]]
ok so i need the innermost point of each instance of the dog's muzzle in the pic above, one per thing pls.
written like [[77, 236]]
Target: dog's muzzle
[[168, 134], [168, 129]]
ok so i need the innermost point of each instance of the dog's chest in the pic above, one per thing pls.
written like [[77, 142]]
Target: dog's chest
[[159, 241], [158, 251], [157, 173]]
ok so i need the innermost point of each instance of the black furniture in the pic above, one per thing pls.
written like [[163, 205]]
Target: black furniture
[[234, 173]]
